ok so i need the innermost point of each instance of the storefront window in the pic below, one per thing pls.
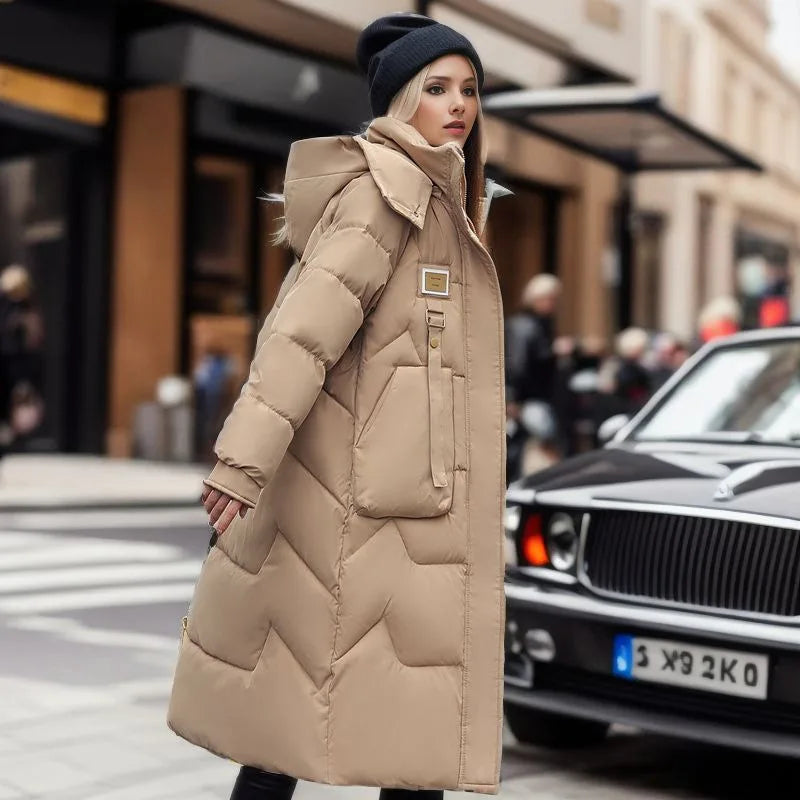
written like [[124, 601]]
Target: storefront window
[[221, 201], [520, 239], [235, 274], [647, 269], [33, 290]]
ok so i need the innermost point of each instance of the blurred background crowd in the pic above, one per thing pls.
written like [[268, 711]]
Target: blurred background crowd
[[561, 389], [652, 148]]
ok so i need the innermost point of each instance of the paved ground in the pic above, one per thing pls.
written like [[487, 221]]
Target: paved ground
[[90, 604], [45, 481]]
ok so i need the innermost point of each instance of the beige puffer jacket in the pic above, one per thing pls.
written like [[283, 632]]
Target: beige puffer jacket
[[349, 630]]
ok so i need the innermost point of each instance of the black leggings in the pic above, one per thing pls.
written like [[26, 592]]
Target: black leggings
[[255, 784]]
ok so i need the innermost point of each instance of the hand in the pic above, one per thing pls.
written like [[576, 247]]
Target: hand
[[222, 509]]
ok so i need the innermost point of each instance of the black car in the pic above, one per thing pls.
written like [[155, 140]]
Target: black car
[[656, 582]]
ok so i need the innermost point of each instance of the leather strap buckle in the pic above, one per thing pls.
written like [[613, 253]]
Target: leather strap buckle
[[432, 321]]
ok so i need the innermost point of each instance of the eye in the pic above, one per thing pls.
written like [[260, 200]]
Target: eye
[[470, 91], [435, 89]]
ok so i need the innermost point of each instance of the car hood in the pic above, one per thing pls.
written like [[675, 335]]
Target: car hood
[[744, 478]]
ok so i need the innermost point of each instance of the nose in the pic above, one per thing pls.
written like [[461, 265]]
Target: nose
[[457, 103]]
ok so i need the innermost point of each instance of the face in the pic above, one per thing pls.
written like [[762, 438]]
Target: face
[[449, 103], [546, 305]]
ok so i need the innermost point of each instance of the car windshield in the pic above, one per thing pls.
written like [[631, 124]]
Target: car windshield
[[741, 393]]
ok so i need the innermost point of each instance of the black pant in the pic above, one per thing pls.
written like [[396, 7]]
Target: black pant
[[255, 784]]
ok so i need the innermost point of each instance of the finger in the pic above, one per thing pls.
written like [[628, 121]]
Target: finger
[[227, 516], [243, 510], [212, 499], [209, 501], [218, 508], [205, 493]]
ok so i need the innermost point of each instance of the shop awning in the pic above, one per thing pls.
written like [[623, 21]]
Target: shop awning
[[625, 126], [248, 73]]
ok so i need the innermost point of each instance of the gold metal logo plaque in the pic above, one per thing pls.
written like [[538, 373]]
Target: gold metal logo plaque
[[435, 282]]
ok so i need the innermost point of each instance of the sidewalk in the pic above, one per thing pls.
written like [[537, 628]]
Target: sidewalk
[[53, 481], [69, 743]]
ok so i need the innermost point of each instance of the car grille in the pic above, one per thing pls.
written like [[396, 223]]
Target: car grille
[[761, 714], [694, 561]]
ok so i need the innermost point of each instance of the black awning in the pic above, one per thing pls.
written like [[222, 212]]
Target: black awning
[[622, 125], [23, 130], [251, 73]]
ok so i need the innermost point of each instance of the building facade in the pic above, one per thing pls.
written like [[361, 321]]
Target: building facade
[[133, 153], [705, 235]]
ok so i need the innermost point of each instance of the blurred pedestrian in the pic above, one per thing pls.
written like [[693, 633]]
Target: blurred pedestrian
[[360, 472], [632, 380], [680, 354], [587, 405], [659, 359], [531, 378], [214, 393], [666, 356], [21, 345], [721, 316]]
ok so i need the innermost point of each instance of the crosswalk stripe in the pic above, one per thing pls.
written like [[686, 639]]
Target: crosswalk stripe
[[85, 551], [32, 580], [51, 602], [73, 630], [18, 540], [44, 573], [108, 519]]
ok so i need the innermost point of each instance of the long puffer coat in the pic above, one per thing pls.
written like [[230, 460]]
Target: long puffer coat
[[349, 629]]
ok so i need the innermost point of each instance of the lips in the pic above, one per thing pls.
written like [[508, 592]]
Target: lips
[[458, 126]]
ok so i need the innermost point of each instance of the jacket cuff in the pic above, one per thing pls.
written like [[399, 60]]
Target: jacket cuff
[[234, 482]]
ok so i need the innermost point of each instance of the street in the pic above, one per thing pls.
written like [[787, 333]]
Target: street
[[90, 610]]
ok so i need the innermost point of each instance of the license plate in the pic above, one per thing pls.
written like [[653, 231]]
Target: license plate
[[692, 666]]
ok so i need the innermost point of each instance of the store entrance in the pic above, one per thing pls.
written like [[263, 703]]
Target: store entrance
[[522, 236], [50, 197]]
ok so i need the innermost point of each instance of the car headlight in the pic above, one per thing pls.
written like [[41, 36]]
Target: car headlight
[[562, 541], [511, 520]]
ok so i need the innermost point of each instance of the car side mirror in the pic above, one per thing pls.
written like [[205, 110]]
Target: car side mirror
[[611, 427]]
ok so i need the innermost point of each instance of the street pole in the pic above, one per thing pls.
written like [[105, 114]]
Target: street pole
[[625, 243]]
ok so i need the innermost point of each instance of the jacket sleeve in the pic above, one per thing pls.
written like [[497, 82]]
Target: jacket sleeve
[[339, 282]]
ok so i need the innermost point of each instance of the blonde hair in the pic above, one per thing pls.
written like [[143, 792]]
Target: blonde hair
[[539, 286], [15, 281], [724, 307], [406, 102], [632, 343]]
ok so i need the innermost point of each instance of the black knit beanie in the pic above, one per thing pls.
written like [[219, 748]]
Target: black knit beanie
[[393, 49]]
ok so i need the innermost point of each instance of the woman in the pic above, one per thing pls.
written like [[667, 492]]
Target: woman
[[347, 628]]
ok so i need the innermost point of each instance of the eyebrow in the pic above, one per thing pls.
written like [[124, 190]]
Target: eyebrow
[[447, 78]]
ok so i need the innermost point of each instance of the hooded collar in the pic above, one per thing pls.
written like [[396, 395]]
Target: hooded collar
[[406, 167], [403, 165], [442, 164]]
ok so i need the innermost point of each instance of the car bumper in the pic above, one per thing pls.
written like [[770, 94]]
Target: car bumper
[[578, 680]]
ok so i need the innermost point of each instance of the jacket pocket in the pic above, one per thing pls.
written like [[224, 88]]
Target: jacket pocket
[[393, 475]]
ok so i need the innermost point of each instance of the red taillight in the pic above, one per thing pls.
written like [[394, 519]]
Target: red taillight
[[534, 549]]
